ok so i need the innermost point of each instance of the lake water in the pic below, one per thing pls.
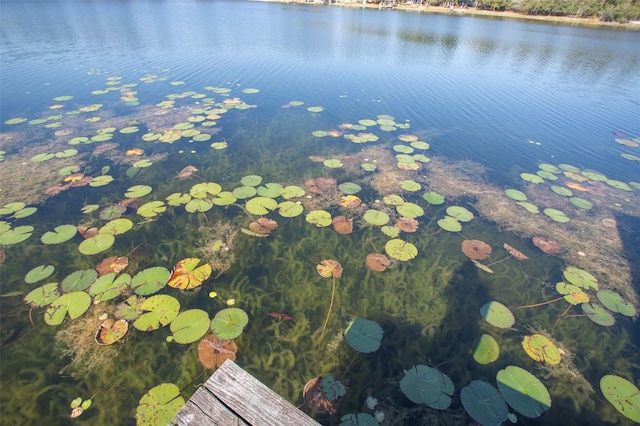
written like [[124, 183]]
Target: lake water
[[256, 95]]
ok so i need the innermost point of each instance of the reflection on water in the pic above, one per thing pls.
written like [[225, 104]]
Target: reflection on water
[[507, 96]]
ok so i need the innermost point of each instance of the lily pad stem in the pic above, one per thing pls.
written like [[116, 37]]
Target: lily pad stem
[[560, 317], [326, 320], [539, 304], [501, 260]]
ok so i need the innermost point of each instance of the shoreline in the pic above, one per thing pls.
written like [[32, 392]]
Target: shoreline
[[592, 23]]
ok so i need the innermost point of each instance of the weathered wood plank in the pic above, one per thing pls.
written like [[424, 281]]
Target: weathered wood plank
[[232, 396]]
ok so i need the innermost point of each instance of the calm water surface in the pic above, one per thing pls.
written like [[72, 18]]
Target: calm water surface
[[503, 94]]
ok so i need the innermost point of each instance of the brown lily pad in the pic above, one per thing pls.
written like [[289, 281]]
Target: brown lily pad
[[342, 225], [515, 253], [476, 249], [547, 245], [263, 226], [377, 262], [407, 224], [213, 351], [112, 264], [87, 231]]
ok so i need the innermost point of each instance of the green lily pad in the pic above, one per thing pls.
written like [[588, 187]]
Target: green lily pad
[[319, 218], [404, 149], [79, 280], [556, 215], [39, 273], [130, 129], [178, 199], [546, 175], [16, 120], [427, 385], [290, 209], [410, 210], [561, 190], [541, 349], [16, 235], [101, 181], [315, 109], [96, 244], [26, 212], [483, 402], [129, 309], [270, 190], [10, 208], [74, 304], [292, 191], [198, 205], [459, 213], [393, 199], [581, 203], [498, 315], [401, 250], [364, 335], [486, 350], [349, 188], [433, 198], [224, 198], [138, 191], [623, 395], [368, 167], [390, 231], [523, 391], [39, 158], [261, 205], [159, 405], [66, 153], [581, 278], [243, 192], [204, 189], [160, 309], [531, 208], [152, 209], [450, 224], [631, 157], [229, 323], [421, 158], [319, 133], [358, 419], [572, 293], [116, 226], [190, 326], [142, 164], [549, 168], [251, 180], [613, 301], [376, 217], [530, 177], [514, 194], [598, 314], [150, 280], [410, 185], [420, 145], [108, 286], [42, 296], [333, 163], [594, 175]]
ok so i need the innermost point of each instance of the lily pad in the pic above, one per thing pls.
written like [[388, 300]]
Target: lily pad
[[450, 224], [514, 194], [401, 250], [10, 208], [74, 304], [188, 275], [292, 191], [108, 287], [530, 177], [523, 391], [204, 189], [581, 203], [39, 273], [486, 350], [190, 326], [229, 323], [581, 278], [159, 405], [116, 226], [150, 280], [623, 395], [483, 402], [598, 314], [319, 218], [561, 190], [96, 244], [556, 215], [160, 310], [359, 419], [541, 349], [333, 163], [459, 213], [42, 296], [290, 209], [363, 335], [433, 198], [572, 293], [110, 331], [613, 301], [138, 191], [376, 217], [410, 210], [243, 192], [531, 208], [427, 385], [198, 205], [270, 190], [410, 185], [79, 280], [349, 188], [261, 205], [152, 209], [101, 180], [15, 235], [498, 315]]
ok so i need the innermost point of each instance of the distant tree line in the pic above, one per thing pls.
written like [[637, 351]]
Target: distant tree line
[[621, 11]]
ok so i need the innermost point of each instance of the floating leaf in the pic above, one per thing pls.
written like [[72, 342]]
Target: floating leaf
[[581, 203], [160, 310], [320, 218], [261, 205], [110, 331], [150, 280], [159, 405], [541, 349], [523, 391], [514, 194], [459, 213], [486, 350], [401, 250], [292, 191], [476, 249], [187, 275], [598, 314], [581, 278], [342, 225], [364, 335], [190, 326], [623, 395], [151, 209], [42, 296], [213, 351], [349, 188], [484, 403], [515, 253], [410, 210], [204, 189], [108, 287], [377, 262], [263, 226], [243, 192], [96, 244], [547, 245], [556, 215], [359, 419], [427, 385], [129, 309], [59, 235], [314, 394], [376, 217], [138, 191], [39, 273], [79, 280], [572, 293], [450, 224], [15, 235], [498, 315], [229, 323], [329, 268], [75, 304], [615, 303], [198, 205], [117, 226], [530, 177], [290, 209]]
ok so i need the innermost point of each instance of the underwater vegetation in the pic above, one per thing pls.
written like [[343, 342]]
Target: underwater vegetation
[[344, 267]]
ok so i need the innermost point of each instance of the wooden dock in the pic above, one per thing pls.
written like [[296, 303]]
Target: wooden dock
[[232, 396]]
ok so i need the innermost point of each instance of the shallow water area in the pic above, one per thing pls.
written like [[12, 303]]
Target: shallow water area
[[313, 167]]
